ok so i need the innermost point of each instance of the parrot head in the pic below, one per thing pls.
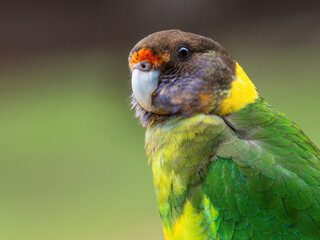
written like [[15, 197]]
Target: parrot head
[[179, 73]]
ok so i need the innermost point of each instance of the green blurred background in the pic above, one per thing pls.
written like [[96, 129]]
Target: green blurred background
[[72, 161]]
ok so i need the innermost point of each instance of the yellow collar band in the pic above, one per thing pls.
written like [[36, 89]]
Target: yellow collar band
[[241, 93]]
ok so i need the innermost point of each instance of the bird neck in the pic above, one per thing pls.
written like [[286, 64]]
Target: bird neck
[[241, 93]]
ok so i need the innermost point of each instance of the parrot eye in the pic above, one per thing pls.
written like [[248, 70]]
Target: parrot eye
[[184, 53]]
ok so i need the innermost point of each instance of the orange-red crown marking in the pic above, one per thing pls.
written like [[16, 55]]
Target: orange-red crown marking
[[144, 54]]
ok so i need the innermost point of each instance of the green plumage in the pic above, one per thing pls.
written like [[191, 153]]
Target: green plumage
[[226, 165], [257, 168]]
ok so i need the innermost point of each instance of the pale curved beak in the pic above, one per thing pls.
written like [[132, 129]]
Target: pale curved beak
[[144, 83]]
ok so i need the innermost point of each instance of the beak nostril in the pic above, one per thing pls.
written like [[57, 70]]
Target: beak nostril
[[144, 66]]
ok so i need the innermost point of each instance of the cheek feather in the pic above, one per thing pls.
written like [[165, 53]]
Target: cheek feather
[[204, 97], [206, 102]]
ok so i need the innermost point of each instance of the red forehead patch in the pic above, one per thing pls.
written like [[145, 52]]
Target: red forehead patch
[[144, 54]]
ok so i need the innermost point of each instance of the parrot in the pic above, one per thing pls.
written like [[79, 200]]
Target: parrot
[[225, 164]]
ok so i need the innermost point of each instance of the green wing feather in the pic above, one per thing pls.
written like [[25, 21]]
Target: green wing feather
[[266, 181]]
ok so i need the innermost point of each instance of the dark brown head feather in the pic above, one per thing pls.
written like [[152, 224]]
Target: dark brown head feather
[[186, 87]]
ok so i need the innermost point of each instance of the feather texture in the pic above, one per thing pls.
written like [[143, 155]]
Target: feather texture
[[250, 175]]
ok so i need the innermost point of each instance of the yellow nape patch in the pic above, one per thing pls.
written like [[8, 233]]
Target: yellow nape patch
[[194, 225], [241, 93]]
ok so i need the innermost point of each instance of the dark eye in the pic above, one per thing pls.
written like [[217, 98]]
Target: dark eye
[[184, 53]]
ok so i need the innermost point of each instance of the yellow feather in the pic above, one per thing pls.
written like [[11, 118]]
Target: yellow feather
[[241, 93], [191, 224], [166, 148]]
